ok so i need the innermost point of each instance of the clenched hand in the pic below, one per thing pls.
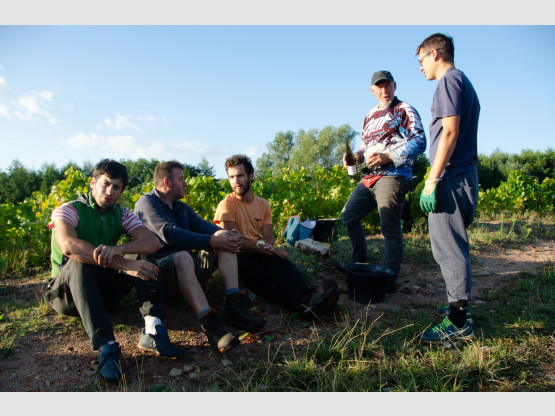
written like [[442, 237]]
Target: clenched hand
[[103, 255], [226, 240], [142, 269]]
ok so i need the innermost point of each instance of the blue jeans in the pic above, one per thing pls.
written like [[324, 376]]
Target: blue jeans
[[457, 199], [388, 196]]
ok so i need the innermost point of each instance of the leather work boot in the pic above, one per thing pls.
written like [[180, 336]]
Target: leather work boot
[[321, 303], [237, 312], [218, 335]]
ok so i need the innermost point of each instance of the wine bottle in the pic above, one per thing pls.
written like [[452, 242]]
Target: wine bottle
[[350, 159]]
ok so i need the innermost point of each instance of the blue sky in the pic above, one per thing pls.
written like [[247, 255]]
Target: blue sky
[[82, 93]]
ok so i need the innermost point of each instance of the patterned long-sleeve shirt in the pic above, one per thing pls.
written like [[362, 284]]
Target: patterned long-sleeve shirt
[[396, 130]]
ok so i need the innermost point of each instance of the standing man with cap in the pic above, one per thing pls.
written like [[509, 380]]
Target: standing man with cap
[[450, 196], [392, 136]]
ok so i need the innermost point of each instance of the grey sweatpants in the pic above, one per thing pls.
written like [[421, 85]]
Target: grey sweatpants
[[457, 199]]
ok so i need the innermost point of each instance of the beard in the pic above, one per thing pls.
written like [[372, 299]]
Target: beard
[[242, 191], [387, 103]]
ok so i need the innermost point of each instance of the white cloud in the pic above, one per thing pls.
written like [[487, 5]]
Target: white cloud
[[3, 82], [33, 105], [29, 106], [95, 146], [46, 95], [128, 147], [4, 111], [83, 141], [120, 123]]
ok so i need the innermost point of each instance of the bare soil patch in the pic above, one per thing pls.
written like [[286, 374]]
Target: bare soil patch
[[46, 361]]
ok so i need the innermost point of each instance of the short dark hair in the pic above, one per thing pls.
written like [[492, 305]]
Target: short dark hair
[[440, 42], [164, 170], [235, 160], [112, 169]]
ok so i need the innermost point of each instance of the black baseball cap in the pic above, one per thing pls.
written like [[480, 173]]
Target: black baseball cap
[[381, 76]]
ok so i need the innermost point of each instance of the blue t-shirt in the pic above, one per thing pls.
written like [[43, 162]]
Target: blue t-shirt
[[455, 96]]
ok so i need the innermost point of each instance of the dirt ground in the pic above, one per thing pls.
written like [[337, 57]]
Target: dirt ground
[[47, 361]]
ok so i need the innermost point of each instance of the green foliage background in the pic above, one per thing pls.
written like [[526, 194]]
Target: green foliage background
[[319, 194]]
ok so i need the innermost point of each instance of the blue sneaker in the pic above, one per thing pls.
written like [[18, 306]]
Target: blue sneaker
[[159, 343], [447, 331], [444, 311], [109, 362]]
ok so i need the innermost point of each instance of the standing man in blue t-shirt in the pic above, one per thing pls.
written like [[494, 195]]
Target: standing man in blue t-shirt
[[450, 195]]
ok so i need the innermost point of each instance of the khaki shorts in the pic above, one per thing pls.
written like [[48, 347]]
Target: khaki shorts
[[206, 263]]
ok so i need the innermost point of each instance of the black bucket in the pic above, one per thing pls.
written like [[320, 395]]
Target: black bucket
[[367, 283], [325, 231]]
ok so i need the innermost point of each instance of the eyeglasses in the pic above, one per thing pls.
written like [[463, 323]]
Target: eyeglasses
[[421, 59]]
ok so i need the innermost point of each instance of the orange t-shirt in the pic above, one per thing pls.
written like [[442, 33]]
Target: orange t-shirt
[[249, 217]]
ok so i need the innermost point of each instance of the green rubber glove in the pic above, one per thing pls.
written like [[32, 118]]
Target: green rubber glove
[[428, 197]]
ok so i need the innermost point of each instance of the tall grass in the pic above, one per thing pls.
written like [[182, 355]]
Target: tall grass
[[384, 353]]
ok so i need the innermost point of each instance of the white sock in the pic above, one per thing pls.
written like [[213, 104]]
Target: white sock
[[150, 324]]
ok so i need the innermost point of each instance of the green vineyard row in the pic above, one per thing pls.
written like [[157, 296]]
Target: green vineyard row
[[25, 237]]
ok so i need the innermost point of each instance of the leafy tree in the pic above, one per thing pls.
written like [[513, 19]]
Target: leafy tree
[[538, 164], [49, 176], [140, 171], [305, 150], [3, 183], [331, 145], [419, 165], [205, 169], [20, 183], [494, 169], [278, 156], [489, 172]]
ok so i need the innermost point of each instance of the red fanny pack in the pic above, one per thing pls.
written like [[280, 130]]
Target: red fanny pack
[[369, 180]]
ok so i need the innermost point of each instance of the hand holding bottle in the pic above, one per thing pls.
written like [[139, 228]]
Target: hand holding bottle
[[349, 159]]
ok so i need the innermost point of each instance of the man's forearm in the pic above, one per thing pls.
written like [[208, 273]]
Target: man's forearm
[[445, 149], [147, 245], [249, 246], [446, 146]]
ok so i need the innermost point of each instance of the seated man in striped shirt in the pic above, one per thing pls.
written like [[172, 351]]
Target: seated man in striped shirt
[[90, 274]]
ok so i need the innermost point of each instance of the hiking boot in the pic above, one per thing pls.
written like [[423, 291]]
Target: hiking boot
[[159, 343], [320, 303], [392, 286], [237, 312], [218, 335], [109, 362], [447, 331], [444, 311]]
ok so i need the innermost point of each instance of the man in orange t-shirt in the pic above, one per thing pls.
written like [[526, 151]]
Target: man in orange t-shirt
[[265, 269]]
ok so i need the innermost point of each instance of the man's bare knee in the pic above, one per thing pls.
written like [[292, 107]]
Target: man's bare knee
[[225, 256], [184, 266]]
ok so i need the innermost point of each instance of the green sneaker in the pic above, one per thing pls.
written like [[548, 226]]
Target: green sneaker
[[447, 331], [444, 311]]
